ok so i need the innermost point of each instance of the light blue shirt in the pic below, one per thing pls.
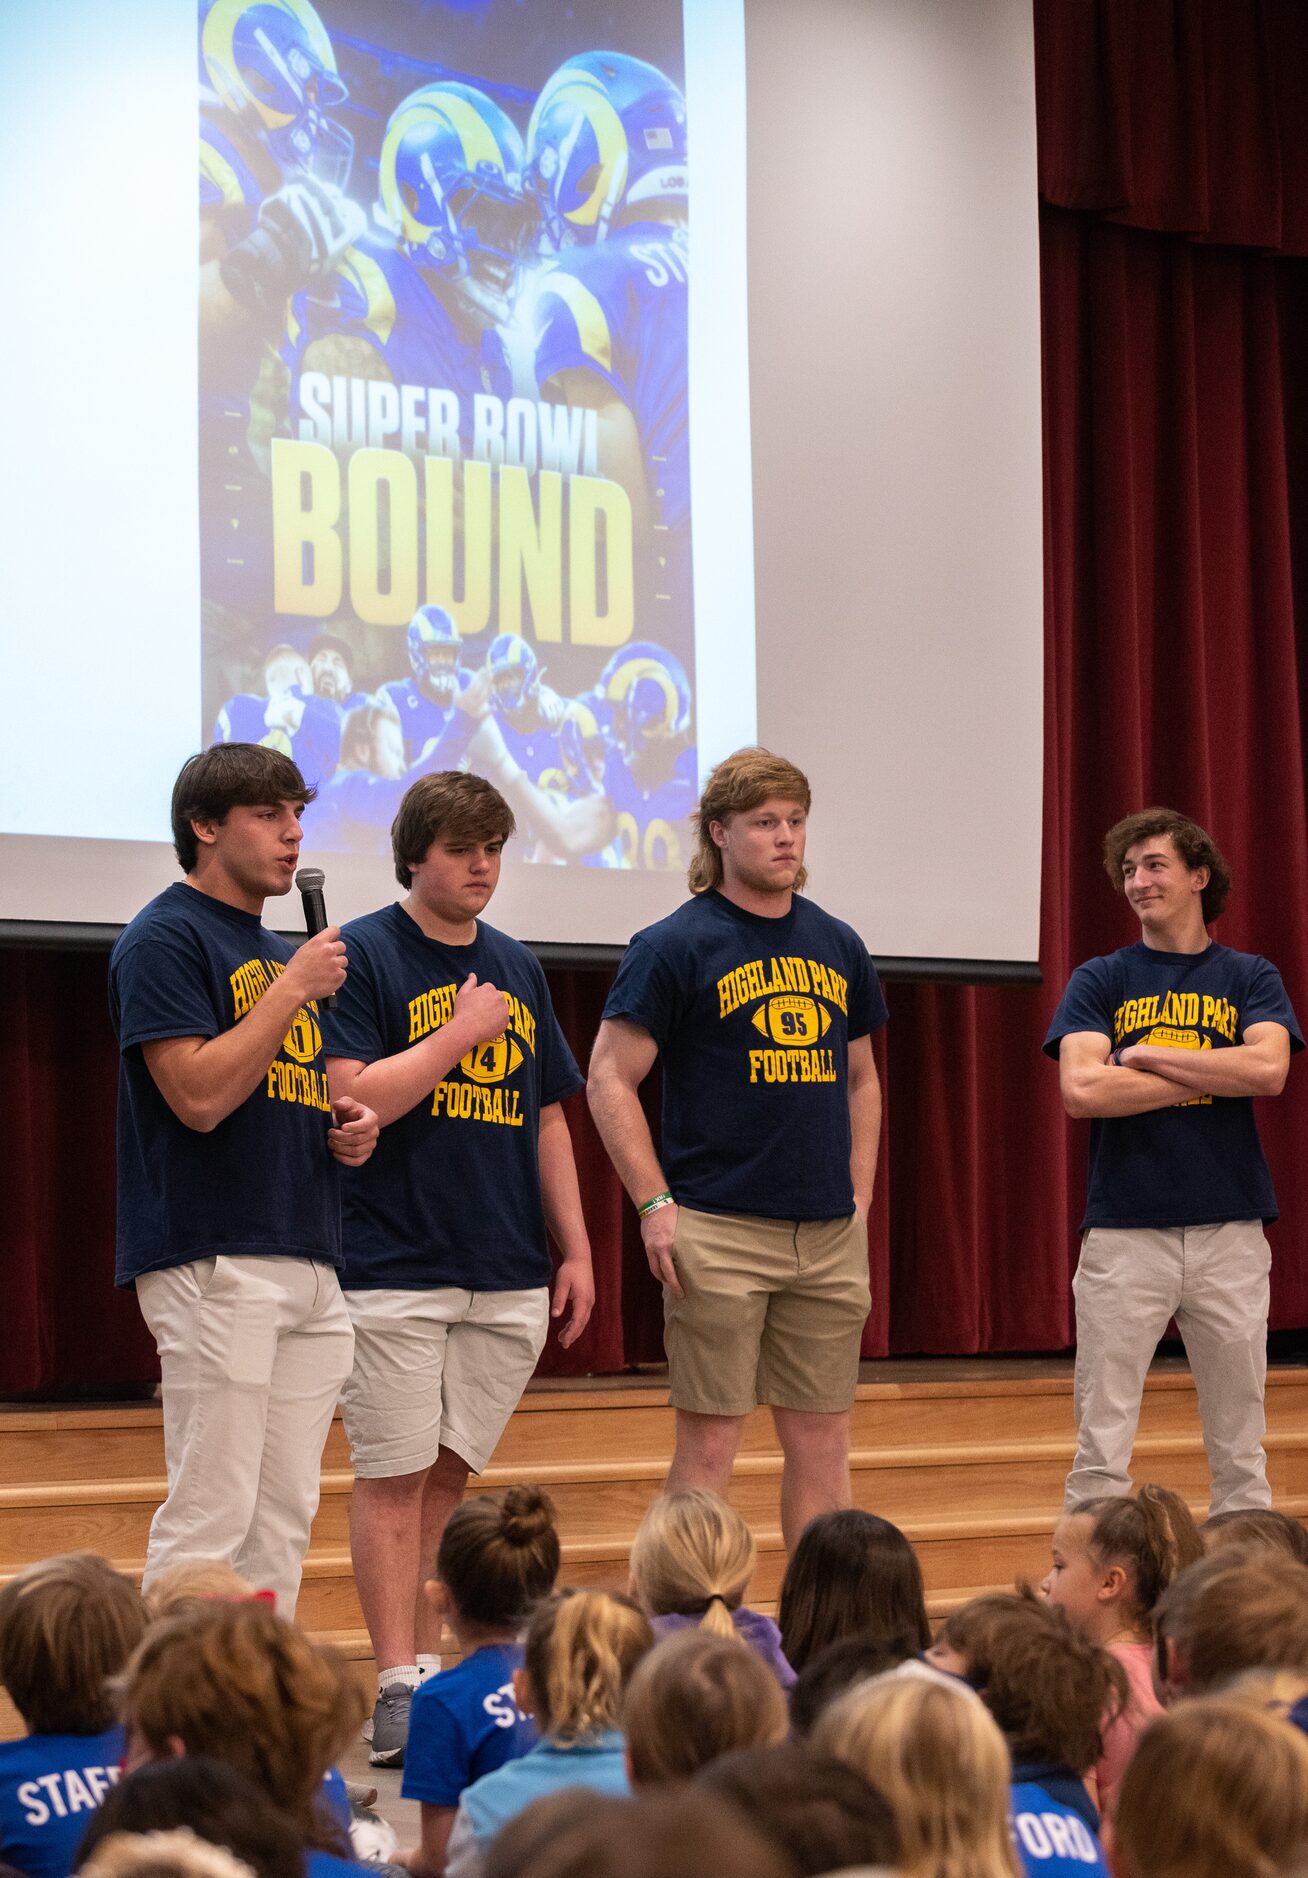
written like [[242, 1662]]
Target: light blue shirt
[[596, 1761]]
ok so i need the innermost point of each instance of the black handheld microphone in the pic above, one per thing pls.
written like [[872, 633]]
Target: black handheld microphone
[[310, 882]]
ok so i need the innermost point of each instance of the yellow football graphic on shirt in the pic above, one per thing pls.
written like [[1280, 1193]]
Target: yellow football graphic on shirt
[[1168, 1038], [791, 1021], [492, 1062], [303, 1040]]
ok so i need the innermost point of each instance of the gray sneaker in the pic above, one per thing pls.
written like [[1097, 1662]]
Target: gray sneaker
[[390, 1725]]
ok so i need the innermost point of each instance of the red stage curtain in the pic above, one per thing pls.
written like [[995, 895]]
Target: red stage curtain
[[1173, 163]]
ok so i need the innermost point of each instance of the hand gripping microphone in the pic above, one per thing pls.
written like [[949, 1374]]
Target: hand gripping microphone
[[310, 882]]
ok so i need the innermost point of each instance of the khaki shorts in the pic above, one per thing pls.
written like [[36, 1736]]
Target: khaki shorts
[[437, 1369], [773, 1312]]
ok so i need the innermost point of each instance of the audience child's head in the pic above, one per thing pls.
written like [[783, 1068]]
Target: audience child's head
[[1227, 1614], [581, 1649], [497, 1559], [851, 1575], [217, 1803], [1047, 1685], [831, 1671], [1214, 1790], [693, 1555], [694, 1697], [193, 1583], [67, 1626], [180, 1853], [685, 1834], [237, 1682], [820, 1812], [1260, 1529], [937, 1755], [1114, 1558]]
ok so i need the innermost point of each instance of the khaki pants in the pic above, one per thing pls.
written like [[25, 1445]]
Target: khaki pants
[[254, 1352], [1129, 1283]]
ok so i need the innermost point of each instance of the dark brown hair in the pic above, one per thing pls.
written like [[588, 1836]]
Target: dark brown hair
[[1257, 1529], [67, 1626], [819, 1811], [499, 1557], [1228, 1613], [685, 1834], [741, 782], [451, 804], [1195, 848], [1049, 1687], [229, 776], [580, 1651], [852, 1574], [828, 1673], [240, 1683], [219, 1805], [696, 1696], [1151, 1535]]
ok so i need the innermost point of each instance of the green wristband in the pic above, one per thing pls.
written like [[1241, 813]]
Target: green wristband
[[652, 1206]]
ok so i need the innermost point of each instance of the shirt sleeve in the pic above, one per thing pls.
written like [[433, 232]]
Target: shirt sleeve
[[354, 1029], [559, 1074], [463, 1854], [1266, 1003], [163, 986], [1085, 1005], [646, 992], [437, 1763], [867, 1004]]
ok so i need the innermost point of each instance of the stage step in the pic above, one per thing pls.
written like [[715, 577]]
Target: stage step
[[971, 1467]]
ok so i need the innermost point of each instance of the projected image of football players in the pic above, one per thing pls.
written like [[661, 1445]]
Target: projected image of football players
[[529, 712], [648, 784], [353, 814], [287, 716], [331, 670], [274, 161], [442, 707], [606, 153], [417, 299]]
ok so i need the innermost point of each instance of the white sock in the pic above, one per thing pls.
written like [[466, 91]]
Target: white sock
[[407, 1673], [427, 1666]]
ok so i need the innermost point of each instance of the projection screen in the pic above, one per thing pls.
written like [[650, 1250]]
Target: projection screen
[[491, 450]]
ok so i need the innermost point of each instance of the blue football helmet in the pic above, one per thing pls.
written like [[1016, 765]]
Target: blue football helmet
[[648, 693], [434, 642], [514, 673], [451, 180], [272, 66], [608, 133]]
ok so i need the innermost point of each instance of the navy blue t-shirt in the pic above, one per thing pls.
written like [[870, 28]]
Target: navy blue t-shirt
[[262, 1181], [451, 1195], [1201, 1162], [753, 1018], [49, 1787], [465, 1723]]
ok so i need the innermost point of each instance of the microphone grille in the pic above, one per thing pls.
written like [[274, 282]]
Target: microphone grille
[[310, 878]]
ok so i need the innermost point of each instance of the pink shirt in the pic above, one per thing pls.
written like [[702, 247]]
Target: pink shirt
[[1122, 1734]]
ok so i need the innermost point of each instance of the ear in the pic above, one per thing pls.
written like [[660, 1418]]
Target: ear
[[206, 832], [1199, 878], [522, 1692], [718, 834], [176, 1748], [1112, 1585]]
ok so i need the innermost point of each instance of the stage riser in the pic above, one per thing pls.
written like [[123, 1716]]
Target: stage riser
[[126, 1444]]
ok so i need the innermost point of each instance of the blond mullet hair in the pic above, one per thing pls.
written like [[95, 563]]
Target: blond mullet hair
[[741, 782], [693, 1555]]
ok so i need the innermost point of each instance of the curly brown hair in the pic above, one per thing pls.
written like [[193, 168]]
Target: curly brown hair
[[1195, 847]]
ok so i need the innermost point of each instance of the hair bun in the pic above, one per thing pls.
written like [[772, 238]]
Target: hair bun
[[526, 1513]]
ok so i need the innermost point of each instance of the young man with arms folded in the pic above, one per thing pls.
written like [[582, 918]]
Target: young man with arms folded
[[228, 1202], [761, 1007], [445, 1027], [1163, 1045]]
